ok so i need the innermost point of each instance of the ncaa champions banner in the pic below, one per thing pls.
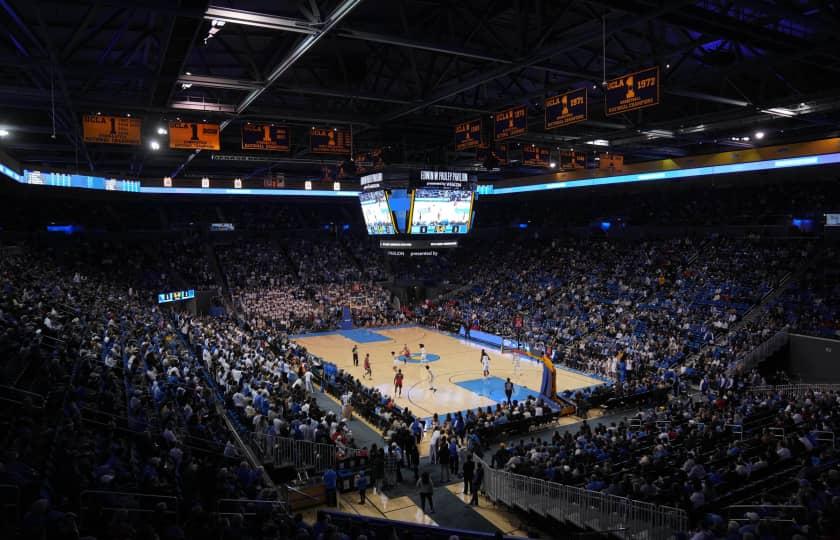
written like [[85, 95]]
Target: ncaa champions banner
[[330, 141], [111, 129], [509, 123], [536, 156], [633, 91], [468, 135], [265, 137], [566, 109], [190, 135]]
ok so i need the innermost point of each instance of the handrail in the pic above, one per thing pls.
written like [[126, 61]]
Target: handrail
[[585, 508]]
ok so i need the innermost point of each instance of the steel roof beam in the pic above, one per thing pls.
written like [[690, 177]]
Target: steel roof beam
[[260, 20]]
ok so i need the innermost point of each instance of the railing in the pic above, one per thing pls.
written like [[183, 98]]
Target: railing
[[736, 429], [248, 507], [764, 350], [824, 437], [302, 454], [623, 517], [795, 390], [133, 503]]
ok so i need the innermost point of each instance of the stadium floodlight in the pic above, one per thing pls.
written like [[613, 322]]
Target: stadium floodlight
[[552, 164], [161, 130], [759, 134], [154, 145], [599, 142], [4, 132]]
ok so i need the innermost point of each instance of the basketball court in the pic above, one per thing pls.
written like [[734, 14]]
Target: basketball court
[[455, 362]]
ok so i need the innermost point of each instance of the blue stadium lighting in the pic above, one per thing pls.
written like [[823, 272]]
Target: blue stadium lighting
[[605, 226], [251, 192], [523, 225], [770, 164]]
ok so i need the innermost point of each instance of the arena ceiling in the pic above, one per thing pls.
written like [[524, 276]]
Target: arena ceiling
[[402, 73]]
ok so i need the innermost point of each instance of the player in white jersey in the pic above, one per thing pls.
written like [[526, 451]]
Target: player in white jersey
[[422, 354], [485, 362], [430, 374]]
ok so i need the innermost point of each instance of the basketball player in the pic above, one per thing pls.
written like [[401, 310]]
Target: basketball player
[[405, 353], [485, 362], [394, 359], [430, 374], [398, 383], [422, 354], [355, 356], [368, 372], [509, 391]]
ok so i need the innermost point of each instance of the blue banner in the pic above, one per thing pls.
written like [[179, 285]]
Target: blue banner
[[565, 109], [265, 137], [468, 134], [633, 91], [509, 123]]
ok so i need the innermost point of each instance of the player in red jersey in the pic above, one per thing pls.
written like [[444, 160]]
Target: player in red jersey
[[398, 383]]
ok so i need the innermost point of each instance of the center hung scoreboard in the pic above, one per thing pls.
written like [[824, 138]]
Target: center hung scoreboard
[[416, 212]]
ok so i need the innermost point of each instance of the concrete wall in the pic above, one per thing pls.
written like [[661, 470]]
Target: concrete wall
[[815, 360]]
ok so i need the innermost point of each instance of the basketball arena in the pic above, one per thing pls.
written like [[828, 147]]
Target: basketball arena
[[418, 269]]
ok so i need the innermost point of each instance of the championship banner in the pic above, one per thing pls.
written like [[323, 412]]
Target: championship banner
[[509, 123], [188, 135], [536, 156], [498, 151], [468, 134], [565, 109], [633, 91], [330, 141], [111, 129], [265, 137]]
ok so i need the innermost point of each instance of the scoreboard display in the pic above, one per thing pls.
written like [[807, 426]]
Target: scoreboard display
[[440, 211]]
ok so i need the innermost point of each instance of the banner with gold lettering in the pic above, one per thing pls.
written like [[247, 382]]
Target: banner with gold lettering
[[509, 123], [265, 137], [565, 109], [633, 91], [330, 141], [194, 135], [468, 134], [111, 129], [536, 156]]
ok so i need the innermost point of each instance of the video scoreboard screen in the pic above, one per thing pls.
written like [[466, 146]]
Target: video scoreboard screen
[[377, 213], [440, 211]]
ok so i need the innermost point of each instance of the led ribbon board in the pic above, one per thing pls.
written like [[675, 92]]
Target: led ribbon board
[[176, 296]]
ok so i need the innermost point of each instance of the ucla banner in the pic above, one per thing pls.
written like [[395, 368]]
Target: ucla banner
[[569, 108], [633, 91], [509, 123], [331, 141], [468, 134], [111, 129], [265, 137], [536, 156], [194, 135]]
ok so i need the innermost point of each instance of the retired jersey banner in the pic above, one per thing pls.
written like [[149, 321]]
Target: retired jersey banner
[[468, 134], [498, 151], [633, 91], [536, 156], [565, 109], [265, 137], [111, 129], [509, 123], [330, 141], [189, 135]]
